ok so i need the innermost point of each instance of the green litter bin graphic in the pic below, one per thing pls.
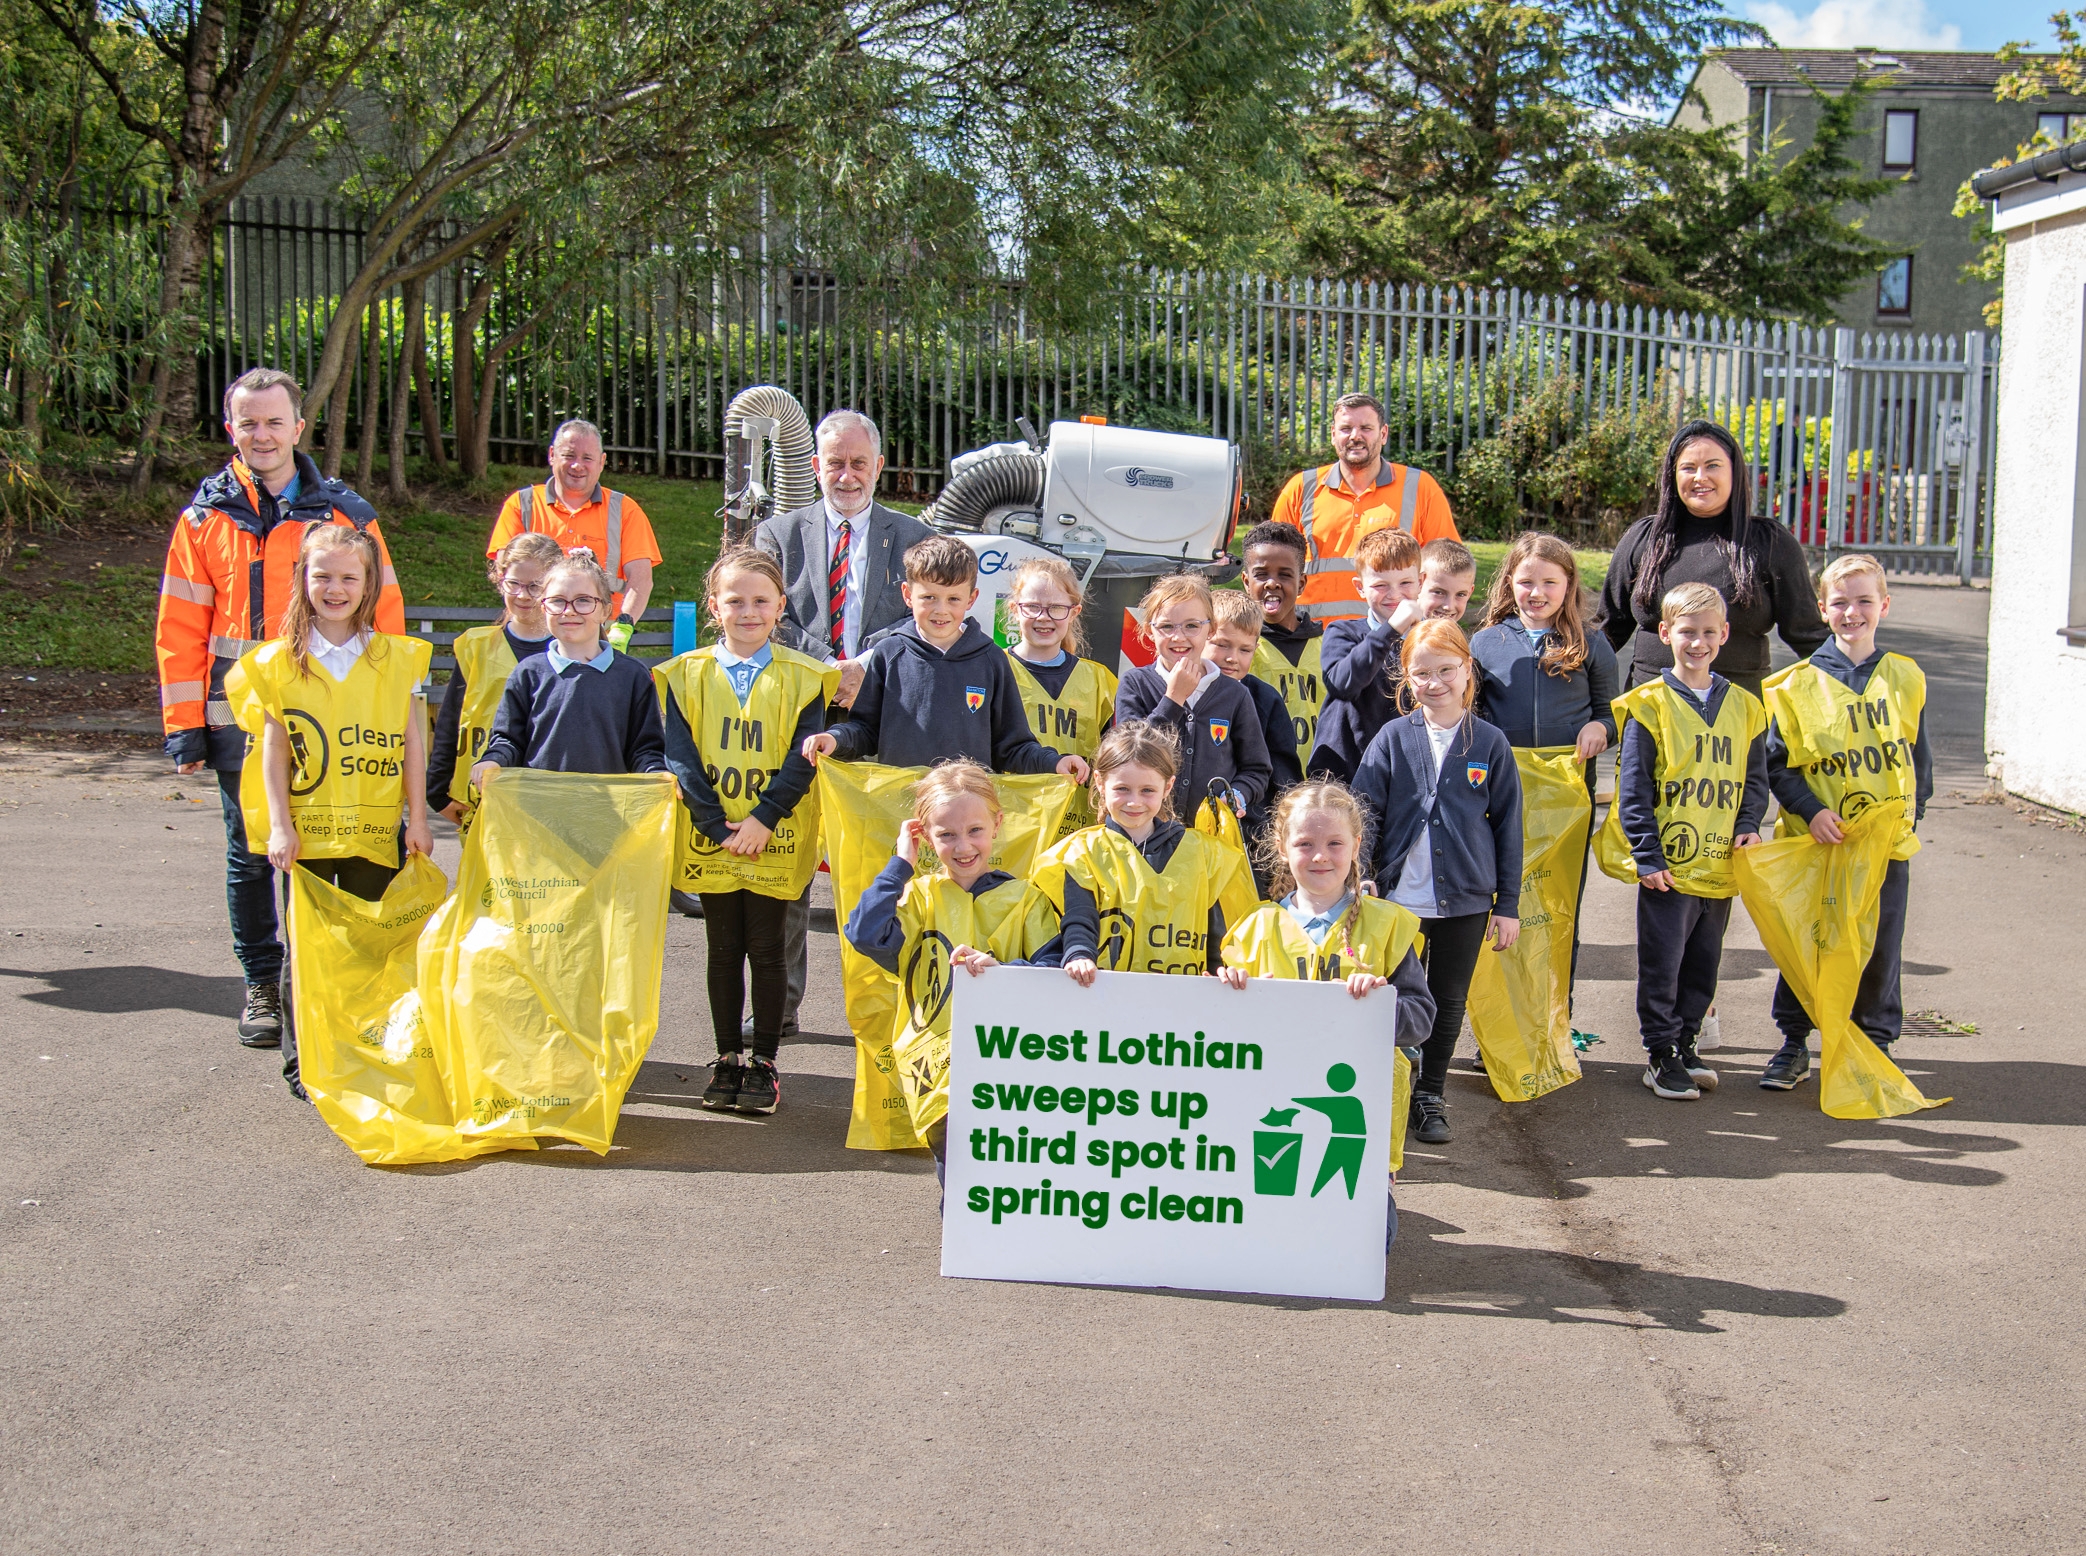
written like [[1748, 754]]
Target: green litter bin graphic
[[1277, 1154]]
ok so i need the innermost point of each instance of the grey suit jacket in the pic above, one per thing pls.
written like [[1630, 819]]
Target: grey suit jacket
[[799, 541]]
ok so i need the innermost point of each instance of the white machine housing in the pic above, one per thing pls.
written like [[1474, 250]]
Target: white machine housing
[[1132, 490]]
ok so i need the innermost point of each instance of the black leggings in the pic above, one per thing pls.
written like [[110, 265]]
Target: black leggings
[[742, 927], [1450, 958]]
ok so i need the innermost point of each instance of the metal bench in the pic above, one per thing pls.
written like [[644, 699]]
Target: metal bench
[[440, 624]]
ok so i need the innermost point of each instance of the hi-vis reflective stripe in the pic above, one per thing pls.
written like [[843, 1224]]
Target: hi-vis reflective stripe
[[180, 691], [390, 579], [1408, 505], [233, 648], [612, 564], [218, 713], [185, 589]]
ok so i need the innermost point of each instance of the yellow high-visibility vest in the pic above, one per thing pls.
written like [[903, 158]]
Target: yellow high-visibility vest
[[1701, 780], [1151, 921], [1071, 723], [1854, 748], [1302, 685]]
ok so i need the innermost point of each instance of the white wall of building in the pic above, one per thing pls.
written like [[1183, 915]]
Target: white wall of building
[[2035, 720]]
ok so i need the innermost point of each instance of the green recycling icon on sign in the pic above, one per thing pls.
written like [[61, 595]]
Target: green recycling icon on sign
[[1278, 1150]]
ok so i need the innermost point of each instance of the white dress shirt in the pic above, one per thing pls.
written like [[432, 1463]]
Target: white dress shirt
[[338, 661], [857, 572]]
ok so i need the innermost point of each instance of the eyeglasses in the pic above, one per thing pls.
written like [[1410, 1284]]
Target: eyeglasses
[[1038, 612], [578, 605], [525, 591], [1179, 629]]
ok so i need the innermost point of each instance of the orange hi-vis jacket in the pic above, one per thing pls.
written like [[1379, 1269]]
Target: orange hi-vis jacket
[[1334, 520], [227, 584]]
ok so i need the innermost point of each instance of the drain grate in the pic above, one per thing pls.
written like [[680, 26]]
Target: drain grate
[[1932, 1023]]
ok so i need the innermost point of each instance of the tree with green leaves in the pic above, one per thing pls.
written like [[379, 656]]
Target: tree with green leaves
[[1496, 143]]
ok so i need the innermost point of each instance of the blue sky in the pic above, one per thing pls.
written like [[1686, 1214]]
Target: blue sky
[[1900, 24]]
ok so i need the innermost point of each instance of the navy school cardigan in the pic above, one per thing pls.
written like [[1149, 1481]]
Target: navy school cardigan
[[1475, 825]]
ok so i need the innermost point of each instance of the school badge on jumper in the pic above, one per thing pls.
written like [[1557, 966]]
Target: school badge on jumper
[[1476, 772], [1220, 730], [974, 697]]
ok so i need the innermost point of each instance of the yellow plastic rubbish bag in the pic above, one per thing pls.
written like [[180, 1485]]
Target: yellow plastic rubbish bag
[[362, 1048], [1401, 1104], [861, 805], [1814, 905], [542, 981], [1215, 818], [1521, 1002]]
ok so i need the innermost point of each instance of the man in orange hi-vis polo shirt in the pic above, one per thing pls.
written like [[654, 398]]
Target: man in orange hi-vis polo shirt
[[575, 510], [1336, 505]]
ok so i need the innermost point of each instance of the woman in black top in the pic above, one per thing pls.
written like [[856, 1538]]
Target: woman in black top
[[1704, 533]]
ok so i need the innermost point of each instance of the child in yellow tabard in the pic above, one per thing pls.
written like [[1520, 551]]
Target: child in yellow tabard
[[1070, 700], [1141, 892], [485, 657], [334, 706], [1847, 735], [921, 927], [1690, 786], [1324, 928], [737, 714]]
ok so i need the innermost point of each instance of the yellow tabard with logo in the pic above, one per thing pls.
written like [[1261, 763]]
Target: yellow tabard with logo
[[1070, 724], [1701, 778], [484, 658], [347, 744], [1013, 921], [1151, 922], [1270, 943], [1854, 748], [1302, 685], [742, 747]]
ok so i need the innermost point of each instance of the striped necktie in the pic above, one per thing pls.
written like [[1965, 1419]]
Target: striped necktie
[[836, 590]]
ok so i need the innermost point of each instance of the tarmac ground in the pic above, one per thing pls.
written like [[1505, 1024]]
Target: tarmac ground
[[1614, 1324]]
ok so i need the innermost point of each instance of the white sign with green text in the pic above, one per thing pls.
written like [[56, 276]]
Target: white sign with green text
[[1167, 1131]]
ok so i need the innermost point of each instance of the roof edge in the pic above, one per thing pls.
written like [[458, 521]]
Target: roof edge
[[2044, 169]]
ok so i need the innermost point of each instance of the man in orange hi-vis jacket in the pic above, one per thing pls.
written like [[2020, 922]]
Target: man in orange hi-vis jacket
[[228, 581], [1336, 505]]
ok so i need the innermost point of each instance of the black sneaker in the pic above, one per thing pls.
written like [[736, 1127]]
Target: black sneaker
[[1430, 1119], [1790, 1065], [723, 1090], [260, 1024], [1668, 1077], [760, 1088], [1702, 1075]]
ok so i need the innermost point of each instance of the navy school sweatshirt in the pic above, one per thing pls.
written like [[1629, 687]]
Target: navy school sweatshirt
[[1221, 736], [579, 720], [919, 705], [1360, 669]]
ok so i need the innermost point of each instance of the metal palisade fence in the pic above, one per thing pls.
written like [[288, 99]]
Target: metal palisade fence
[[1528, 407]]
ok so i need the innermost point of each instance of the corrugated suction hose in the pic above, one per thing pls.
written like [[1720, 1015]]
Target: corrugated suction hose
[[795, 457], [1004, 481]]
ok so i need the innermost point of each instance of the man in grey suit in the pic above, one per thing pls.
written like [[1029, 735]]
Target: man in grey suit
[[843, 559]]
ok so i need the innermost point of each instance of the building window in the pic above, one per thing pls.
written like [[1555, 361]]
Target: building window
[[2060, 127], [1894, 289], [1900, 139]]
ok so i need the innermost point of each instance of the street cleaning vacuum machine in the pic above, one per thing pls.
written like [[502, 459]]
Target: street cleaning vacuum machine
[[1122, 505]]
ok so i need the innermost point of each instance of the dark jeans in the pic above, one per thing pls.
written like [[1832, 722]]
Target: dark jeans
[[743, 927], [1879, 1001], [1450, 958], [358, 877], [249, 893], [1680, 948]]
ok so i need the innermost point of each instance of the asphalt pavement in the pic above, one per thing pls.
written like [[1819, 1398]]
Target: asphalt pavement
[[1614, 1324]]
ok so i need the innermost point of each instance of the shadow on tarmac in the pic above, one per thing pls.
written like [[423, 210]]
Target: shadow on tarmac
[[129, 991], [806, 1134], [1485, 1280]]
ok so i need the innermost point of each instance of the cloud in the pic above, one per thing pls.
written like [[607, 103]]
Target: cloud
[[1847, 24]]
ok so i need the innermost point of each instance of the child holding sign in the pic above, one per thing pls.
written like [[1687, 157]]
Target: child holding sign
[[335, 705], [1070, 700], [1325, 928], [485, 657], [1847, 733], [1447, 798], [1690, 786], [1141, 892], [921, 927], [737, 714]]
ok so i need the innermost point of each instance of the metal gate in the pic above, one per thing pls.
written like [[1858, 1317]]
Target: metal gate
[[1915, 415]]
